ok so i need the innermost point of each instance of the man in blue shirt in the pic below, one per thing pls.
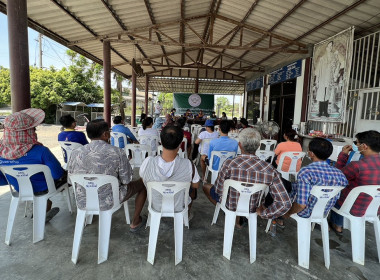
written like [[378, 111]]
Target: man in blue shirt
[[223, 143], [119, 127], [69, 133]]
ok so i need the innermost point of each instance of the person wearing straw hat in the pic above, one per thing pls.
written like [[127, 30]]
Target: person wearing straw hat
[[20, 146]]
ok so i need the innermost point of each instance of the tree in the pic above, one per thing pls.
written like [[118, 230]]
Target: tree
[[5, 89], [166, 101], [223, 105]]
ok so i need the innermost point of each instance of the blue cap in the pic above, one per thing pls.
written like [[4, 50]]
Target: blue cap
[[209, 123]]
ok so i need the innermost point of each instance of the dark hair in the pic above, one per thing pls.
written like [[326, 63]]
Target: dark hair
[[321, 147], [158, 101], [224, 114], [142, 117], [291, 134], [174, 109], [371, 138], [232, 124], [181, 122], [96, 128], [171, 137], [225, 126], [244, 121], [147, 122], [117, 120], [66, 121]]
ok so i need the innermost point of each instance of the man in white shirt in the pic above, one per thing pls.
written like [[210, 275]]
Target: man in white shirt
[[157, 110], [170, 167], [210, 133]]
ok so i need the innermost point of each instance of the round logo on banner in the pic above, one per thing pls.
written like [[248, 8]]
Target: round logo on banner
[[195, 100]]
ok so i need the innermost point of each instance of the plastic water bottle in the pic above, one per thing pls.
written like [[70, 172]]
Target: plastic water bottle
[[272, 231]]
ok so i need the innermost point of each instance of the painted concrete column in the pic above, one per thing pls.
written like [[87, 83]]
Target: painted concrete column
[[133, 117], [107, 81], [18, 54], [146, 93], [196, 90]]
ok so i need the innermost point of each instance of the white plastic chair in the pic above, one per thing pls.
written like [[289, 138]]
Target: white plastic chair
[[216, 127], [265, 155], [167, 190], [151, 141], [294, 157], [67, 148], [180, 153], [22, 174], [223, 156], [184, 141], [117, 136], [139, 153], [267, 145], [304, 225], [204, 142], [246, 190], [194, 127], [91, 183], [234, 135], [357, 224]]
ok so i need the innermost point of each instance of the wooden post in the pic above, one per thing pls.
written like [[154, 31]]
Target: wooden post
[[107, 81], [146, 93], [133, 116]]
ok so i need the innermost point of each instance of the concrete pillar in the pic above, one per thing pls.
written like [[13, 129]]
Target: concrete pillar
[[133, 117], [146, 94], [18, 54], [107, 81]]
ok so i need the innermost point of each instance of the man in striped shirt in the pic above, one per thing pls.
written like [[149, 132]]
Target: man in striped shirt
[[247, 167], [318, 173]]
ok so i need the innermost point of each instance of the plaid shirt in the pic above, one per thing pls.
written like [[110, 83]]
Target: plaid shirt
[[250, 169], [359, 173], [316, 174]]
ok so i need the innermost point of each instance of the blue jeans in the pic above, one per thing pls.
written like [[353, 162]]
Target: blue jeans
[[336, 218]]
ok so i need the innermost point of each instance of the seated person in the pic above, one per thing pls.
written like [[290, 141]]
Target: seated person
[[142, 117], [200, 115], [244, 123], [209, 133], [188, 114], [158, 122], [358, 173], [290, 145], [119, 127], [318, 173], [181, 123], [224, 116], [223, 143], [20, 146], [213, 117], [168, 121], [236, 125], [170, 167], [69, 133], [172, 114], [249, 168], [99, 157], [147, 130]]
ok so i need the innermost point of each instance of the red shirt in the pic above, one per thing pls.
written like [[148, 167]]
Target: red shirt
[[359, 173], [187, 135]]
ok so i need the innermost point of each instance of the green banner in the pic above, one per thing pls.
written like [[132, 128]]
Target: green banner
[[195, 102]]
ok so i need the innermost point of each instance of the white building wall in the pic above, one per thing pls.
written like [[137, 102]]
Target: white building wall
[[299, 95]]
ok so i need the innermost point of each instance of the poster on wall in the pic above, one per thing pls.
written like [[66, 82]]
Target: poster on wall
[[195, 102], [330, 75]]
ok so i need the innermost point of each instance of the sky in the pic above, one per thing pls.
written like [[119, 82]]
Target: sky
[[53, 53]]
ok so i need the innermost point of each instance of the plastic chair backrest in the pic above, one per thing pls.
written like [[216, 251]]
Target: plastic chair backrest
[[222, 155], [193, 127], [22, 174], [265, 155], [294, 156], [198, 130], [184, 140], [269, 145], [205, 142], [139, 152], [246, 190], [323, 195], [233, 135], [150, 140], [372, 190], [216, 127], [91, 183], [168, 190], [68, 147], [186, 128], [117, 136]]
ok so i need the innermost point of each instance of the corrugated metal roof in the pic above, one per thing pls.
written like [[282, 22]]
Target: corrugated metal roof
[[232, 39]]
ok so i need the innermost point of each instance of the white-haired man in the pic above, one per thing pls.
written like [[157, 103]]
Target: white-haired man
[[247, 167]]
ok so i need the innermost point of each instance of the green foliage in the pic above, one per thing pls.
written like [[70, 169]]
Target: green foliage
[[223, 105], [5, 89], [166, 101]]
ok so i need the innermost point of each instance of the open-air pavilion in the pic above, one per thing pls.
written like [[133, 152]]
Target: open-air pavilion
[[197, 46]]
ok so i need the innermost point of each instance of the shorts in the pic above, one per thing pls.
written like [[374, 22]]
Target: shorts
[[214, 195], [133, 188]]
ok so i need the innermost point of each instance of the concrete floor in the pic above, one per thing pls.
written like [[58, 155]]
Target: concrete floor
[[202, 251]]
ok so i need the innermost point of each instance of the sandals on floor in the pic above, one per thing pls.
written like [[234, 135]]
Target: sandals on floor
[[139, 226], [51, 213], [331, 225]]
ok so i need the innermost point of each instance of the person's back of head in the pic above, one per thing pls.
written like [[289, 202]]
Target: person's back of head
[[66, 121], [249, 139], [181, 122], [321, 148], [171, 137], [117, 120], [371, 138], [244, 122], [142, 117], [147, 122], [232, 124], [96, 128], [291, 134], [225, 126]]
